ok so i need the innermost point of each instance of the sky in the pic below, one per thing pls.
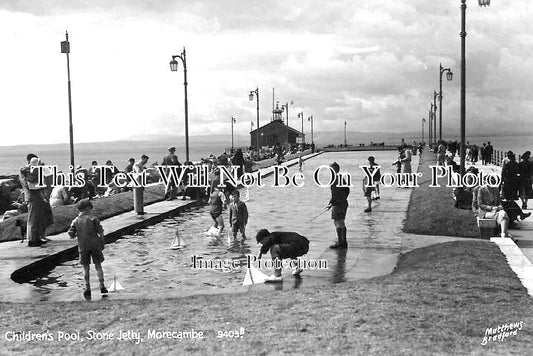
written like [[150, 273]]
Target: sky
[[373, 64]]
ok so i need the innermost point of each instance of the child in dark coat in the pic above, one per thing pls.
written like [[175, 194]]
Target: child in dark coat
[[282, 245]]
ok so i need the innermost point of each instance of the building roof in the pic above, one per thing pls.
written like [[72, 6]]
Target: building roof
[[276, 123]]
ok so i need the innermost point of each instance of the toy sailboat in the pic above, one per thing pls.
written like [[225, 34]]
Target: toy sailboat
[[115, 286], [213, 231], [253, 276], [176, 243]]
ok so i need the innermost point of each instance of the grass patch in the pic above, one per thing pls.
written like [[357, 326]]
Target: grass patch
[[104, 208], [431, 210], [440, 299]]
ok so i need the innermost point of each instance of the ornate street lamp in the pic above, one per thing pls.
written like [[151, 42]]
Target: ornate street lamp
[[310, 118], [423, 122], [302, 116], [463, 80], [174, 68], [251, 97], [430, 116], [449, 77], [286, 108], [435, 94]]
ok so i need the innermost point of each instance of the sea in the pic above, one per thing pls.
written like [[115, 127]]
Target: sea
[[14, 157]]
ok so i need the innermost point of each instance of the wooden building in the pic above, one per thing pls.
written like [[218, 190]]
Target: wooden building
[[276, 132]]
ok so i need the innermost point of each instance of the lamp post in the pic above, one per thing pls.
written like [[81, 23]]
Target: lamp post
[[430, 126], [435, 94], [251, 97], [174, 68], [302, 116], [463, 79], [449, 76], [310, 118], [423, 122], [286, 108], [344, 132], [233, 120], [65, 48]]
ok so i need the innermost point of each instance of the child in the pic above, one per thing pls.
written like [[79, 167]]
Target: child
[[372, 165], [300, 163], [217, 201], [90, 243], [282, 245], [238, 216]]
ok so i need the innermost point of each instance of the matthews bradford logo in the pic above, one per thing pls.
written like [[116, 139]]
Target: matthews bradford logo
[[501, 332]]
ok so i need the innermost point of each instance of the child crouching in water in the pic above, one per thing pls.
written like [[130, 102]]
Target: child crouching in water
[[90, 244], [282, 245], [238, 216]]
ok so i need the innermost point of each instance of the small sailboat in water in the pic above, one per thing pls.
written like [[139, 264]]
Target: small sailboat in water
[[115, 286], [176, 243]]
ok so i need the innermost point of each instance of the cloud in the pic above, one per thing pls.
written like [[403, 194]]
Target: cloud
[[376, 63]]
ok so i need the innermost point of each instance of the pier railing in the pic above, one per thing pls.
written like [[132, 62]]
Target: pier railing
[[497, 157]]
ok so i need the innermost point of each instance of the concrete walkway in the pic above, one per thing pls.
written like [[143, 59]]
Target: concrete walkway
[[375, 239]]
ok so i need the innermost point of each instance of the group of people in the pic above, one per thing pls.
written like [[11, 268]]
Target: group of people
[[499, 202], [482, 153]]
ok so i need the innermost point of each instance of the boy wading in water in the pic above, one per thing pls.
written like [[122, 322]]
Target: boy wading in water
[[367, 190], [238, 216], [90, 244], [338, 205]]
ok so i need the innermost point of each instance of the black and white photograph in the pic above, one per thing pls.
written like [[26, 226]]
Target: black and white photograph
[[213, 177]]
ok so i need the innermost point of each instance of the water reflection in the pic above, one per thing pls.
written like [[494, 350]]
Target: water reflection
[[143, 264]]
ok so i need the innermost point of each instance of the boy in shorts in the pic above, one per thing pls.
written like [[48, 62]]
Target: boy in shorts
[[367, 190], [238, 216], [90, 244]]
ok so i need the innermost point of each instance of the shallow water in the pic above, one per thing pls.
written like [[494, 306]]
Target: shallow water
[[145, 267]]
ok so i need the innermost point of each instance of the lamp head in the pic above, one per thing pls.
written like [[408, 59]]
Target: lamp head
[[449, 75], [251, 96], [484, 2], [173, 65]]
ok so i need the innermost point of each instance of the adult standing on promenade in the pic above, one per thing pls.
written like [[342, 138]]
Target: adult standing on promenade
[[489, 151], [441, 153], [138, 192], [338, 205], [509, 178], [39, 211], [238, 160], [525, 168], [171, 190]]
